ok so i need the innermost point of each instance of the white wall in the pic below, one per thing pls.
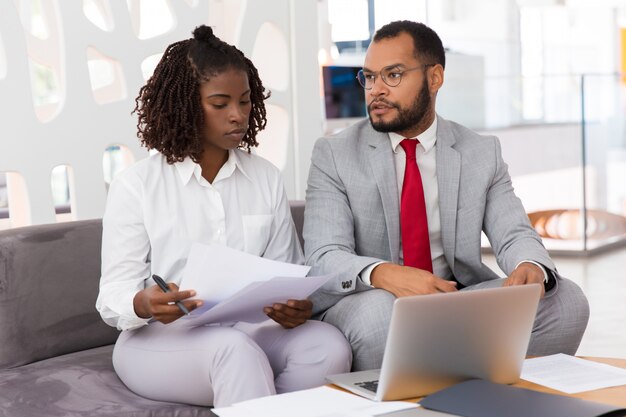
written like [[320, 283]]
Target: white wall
[[77, 129]]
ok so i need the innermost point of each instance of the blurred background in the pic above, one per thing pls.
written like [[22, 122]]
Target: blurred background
[[546, 76]]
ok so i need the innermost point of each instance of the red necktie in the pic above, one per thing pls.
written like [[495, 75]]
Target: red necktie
[[413, 220]]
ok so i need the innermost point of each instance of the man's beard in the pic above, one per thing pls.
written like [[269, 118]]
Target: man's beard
[[407, 118]]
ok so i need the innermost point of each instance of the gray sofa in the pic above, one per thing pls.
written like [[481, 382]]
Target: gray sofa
[[55, 351]]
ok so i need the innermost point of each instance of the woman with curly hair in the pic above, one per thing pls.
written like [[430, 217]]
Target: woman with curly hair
[[202, 110]]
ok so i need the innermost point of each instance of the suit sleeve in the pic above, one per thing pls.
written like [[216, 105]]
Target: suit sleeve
[[329, 230], [506, 223]]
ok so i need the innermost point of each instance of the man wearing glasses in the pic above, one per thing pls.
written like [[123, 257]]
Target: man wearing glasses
[[395, 206]]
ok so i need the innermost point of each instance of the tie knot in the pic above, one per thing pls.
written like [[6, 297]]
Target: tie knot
[[409, 146]]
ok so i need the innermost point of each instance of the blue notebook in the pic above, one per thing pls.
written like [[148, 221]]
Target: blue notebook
[[480, 398]]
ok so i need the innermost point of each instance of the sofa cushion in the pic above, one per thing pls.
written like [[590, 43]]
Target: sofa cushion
[[49, 277], [79, 384]]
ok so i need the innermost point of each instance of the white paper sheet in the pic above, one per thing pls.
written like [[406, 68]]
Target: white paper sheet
[[247, 304], [217, 272], [316, 402], [235, 286], [570, 374]]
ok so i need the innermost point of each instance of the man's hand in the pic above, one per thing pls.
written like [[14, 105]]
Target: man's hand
[[526, 273], [403, 281], [153, 302], [292, 314]]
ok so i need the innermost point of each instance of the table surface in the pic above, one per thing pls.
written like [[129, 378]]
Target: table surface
[[613, 395]]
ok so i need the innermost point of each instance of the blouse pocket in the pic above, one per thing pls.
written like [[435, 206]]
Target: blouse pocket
[[256, 232]]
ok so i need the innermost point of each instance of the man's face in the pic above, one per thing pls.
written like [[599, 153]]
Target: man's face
[[407, 107]]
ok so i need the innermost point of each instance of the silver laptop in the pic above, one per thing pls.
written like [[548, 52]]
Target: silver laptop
[[437, 340]]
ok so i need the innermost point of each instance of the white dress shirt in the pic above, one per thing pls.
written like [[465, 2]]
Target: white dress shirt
[[155, 211]]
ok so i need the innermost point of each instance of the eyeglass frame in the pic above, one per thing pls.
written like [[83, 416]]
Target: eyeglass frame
[[384, 78]]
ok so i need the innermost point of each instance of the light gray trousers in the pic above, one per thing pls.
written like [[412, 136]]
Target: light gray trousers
[[364, 317], [221, 365]]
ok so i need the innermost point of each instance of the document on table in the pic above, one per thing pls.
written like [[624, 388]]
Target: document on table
[[235, 286], [316, 402], [571, 375]]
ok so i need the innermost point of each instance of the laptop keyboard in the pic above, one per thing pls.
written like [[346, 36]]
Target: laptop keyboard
[[368, 385]]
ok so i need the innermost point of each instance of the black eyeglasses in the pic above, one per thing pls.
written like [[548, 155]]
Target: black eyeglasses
[[391, 75]]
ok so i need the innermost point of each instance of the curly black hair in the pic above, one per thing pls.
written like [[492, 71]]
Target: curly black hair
[[426, 42], [170, 116]]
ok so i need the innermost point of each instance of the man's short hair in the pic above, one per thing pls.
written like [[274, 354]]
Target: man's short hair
[[426, 42]]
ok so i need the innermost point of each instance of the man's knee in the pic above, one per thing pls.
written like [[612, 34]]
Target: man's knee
[[362, 311], [561, 320], [573, 306], [364, 319]]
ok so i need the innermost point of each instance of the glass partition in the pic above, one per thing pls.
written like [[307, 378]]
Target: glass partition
[[564, 139], [604, 159]]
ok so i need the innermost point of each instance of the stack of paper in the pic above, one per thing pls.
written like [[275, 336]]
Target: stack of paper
[[316, 402], [235, 286], [571, 375]]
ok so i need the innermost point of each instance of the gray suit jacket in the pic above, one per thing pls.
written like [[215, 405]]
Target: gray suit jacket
[[352, 215]]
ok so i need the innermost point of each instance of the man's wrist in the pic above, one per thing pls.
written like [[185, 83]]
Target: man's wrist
[[377, 278], [549, 277], [366, 274], [541, 267]]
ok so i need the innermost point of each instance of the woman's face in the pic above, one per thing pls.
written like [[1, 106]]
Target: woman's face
[[226, 106]]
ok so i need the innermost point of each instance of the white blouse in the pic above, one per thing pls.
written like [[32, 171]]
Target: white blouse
[[155, 211]]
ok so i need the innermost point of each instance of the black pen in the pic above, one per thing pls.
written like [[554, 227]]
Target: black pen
[[165, 288]]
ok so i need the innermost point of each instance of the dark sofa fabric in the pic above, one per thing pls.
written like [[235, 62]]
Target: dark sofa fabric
[[49, 279], [55, 351], [79, 384], [297, 213]]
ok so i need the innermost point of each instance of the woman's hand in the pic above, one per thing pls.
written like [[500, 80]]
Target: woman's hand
[[292, 314], [153, 302]]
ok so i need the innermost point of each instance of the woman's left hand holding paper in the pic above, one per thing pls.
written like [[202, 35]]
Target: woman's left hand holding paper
[[292, 314]]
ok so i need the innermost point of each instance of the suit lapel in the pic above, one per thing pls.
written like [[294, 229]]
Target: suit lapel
[[382, 164], [448, 177]]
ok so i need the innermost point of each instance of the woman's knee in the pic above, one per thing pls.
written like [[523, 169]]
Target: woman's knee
[[338, 353], [302, 357], [230, 344]]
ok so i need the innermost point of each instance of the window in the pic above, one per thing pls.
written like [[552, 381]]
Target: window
[[350, 23]]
